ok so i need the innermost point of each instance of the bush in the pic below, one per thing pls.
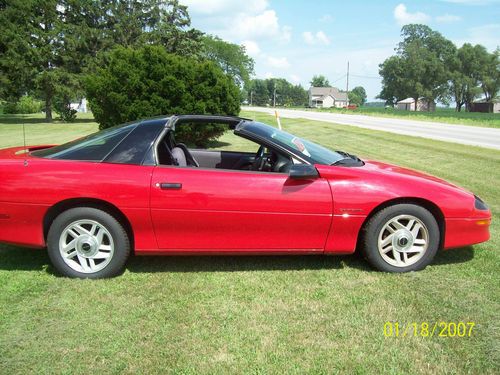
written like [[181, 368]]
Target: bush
[[148, 82], [25, 105], [64, 110]]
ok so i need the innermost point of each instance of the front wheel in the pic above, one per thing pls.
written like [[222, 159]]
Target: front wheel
[[401, 238], [86, 242]]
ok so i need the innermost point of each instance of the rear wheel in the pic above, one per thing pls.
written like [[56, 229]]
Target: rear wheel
[[401, 238], [86, 242]]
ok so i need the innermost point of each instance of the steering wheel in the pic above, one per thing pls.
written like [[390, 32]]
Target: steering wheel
[[259, 159]]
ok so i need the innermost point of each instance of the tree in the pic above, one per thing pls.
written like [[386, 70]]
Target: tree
[[258, 93], [262, 92], [145, 82], [490, 75], [421, 66], [231, 58], [357, 96], [319, 81], [48, 44]]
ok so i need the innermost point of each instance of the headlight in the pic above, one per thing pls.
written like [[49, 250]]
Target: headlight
[[479, 204]]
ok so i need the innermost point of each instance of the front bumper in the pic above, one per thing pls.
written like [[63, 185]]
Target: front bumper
[[467, 231]]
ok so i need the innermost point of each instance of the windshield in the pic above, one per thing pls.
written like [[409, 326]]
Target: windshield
[[93, 147], [319, 154]]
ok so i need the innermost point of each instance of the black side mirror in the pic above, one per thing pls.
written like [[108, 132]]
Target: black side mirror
[[303, 171]]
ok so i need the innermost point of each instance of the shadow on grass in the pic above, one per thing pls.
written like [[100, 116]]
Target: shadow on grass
[[18, 119], [453, 256], [14, 258]]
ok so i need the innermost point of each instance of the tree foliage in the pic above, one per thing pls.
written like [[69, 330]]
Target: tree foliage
[[357, 96], [319, 81], [261, 92], [231, 58], [428, 65], [47, 44], [145, 82]]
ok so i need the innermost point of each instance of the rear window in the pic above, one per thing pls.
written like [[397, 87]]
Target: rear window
[[94, 147]]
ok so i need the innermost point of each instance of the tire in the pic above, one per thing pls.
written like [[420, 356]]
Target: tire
[[400, 238], [95, 244]]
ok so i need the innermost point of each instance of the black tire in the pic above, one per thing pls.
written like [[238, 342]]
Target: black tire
[[372, 231], [116, 231]]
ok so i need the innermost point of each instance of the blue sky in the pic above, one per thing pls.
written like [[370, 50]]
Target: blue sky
[[297, 39]]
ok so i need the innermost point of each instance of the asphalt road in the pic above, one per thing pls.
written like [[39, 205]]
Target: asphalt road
[[467, 135]]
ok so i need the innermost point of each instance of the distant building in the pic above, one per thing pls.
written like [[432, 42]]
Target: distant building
[[493, 106], [423, 104], [327, 97], [80, 107]]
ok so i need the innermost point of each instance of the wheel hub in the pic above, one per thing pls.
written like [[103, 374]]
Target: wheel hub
[[87, 246], [402, 240]]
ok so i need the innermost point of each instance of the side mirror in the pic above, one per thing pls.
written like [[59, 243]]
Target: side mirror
[[303, 171]]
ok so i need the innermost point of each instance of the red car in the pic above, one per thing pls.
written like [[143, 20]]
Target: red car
[[134, 188]]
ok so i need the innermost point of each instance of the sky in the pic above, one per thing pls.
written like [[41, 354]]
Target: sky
[[297, 39]]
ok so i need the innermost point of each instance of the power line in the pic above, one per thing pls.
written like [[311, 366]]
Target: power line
[[361, 76]]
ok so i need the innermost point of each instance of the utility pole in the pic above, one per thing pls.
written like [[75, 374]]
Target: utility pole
[[251, 98], [347, 84]]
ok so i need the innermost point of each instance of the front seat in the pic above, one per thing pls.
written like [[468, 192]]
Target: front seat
[[179, 156]]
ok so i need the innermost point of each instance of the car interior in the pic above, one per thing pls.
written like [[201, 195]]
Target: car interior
[[265, 159]]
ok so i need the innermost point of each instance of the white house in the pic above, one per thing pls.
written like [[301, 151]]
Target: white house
[[80, 107], [327, 97], [423, 104]]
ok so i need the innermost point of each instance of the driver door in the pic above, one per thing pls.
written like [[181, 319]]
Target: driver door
[[198, 209]]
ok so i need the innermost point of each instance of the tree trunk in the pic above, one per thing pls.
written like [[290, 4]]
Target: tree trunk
[[458, 107], [48, 108], [415, 108]]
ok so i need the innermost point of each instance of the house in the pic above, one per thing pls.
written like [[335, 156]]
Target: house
[[423, 104], [493, 106], [80, 107], [327, 97]]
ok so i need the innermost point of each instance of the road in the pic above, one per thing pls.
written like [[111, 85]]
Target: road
[[467, 135]]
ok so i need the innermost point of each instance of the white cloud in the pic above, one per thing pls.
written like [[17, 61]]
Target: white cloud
[[268, 75], [318, 38], [403, 17], [251, 47], [448, 18], [237, 21], [278, 62]]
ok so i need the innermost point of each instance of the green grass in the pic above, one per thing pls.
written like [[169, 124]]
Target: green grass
[[262, 314], [446, 115]]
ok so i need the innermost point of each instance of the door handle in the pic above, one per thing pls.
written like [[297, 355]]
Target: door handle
[[169, 185]]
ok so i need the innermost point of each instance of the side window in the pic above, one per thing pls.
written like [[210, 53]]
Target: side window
[[228, 141]]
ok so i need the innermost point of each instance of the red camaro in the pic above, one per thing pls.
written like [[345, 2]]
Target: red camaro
[[133, 187]]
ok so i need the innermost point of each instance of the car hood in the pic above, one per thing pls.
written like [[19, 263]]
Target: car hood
[[395, 170]]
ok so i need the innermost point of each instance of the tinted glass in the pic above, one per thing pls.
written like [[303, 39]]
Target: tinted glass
[[133, 149], [93, 147], [307, 148]]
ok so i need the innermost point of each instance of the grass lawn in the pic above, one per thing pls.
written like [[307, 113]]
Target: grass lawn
[[281, 314], [447, 115]]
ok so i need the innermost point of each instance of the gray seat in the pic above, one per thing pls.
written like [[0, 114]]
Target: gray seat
[[179, 156]]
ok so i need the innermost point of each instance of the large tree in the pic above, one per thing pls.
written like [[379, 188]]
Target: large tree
[[420, 67], [231, 58], [47, 44]]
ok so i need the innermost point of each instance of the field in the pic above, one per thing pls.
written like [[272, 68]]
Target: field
[[447, 115], [298, 315]]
